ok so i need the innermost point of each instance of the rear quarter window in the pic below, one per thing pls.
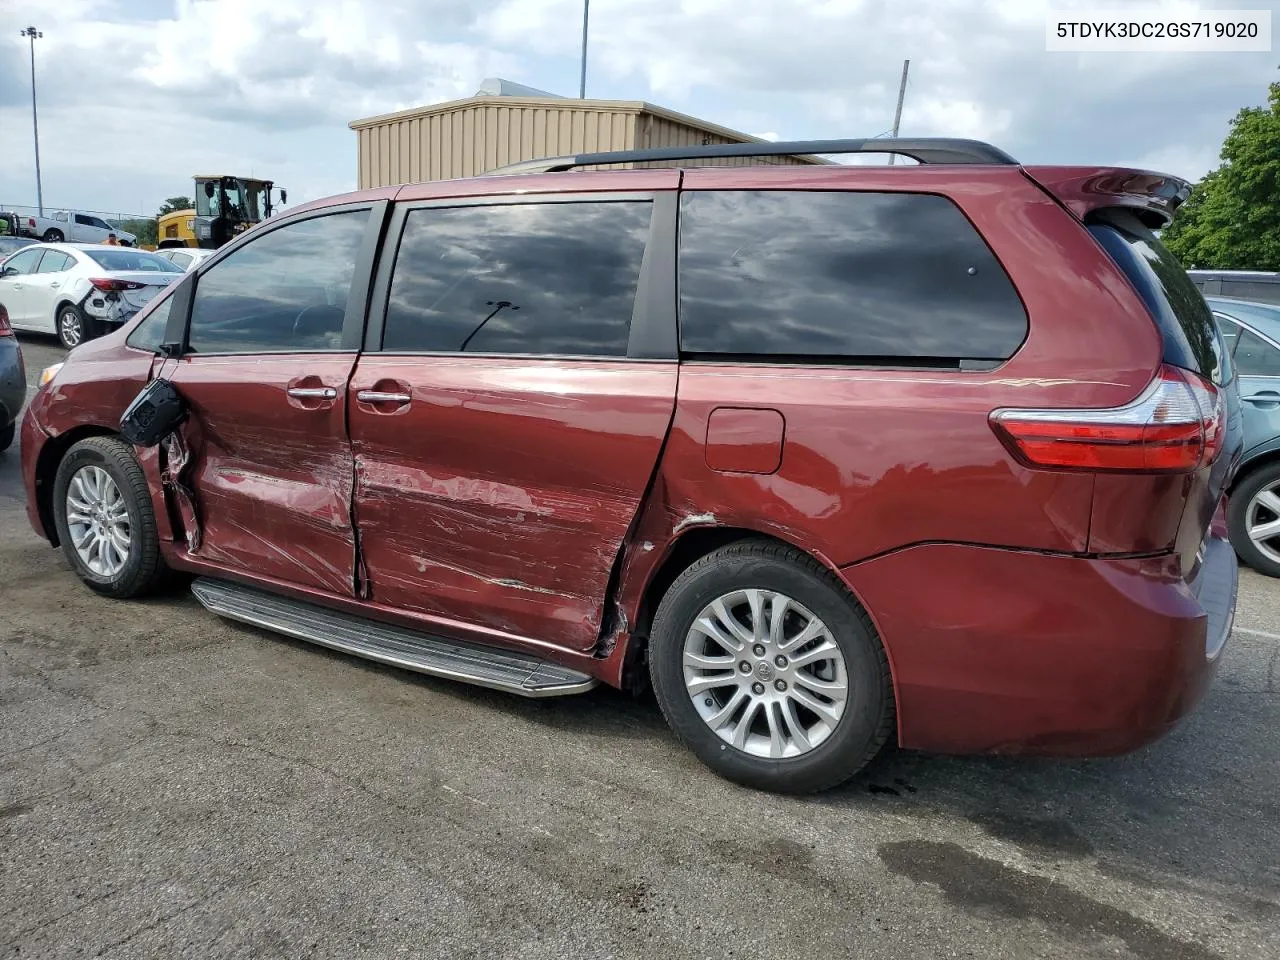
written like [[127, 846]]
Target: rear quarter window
[[861, 277], [1178, 308]]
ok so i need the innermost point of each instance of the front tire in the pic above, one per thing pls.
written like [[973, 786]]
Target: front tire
[[6, 436], [52, 236], [1253, 519], [769, 670], [107, 528]]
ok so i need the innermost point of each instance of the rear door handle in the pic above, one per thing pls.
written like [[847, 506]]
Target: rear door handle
[[55, 284], [379, 396], [1262, 396], [313, 393]]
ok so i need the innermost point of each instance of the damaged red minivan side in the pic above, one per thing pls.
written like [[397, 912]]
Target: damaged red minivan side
[[826, 454]]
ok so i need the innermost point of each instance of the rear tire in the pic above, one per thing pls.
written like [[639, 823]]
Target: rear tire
[[6, 436], [52, 236], [102, 482], [73, 326], [1249, 506], [773, 694]]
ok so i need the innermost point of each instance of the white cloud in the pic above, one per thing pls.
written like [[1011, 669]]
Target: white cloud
[[130, 107]]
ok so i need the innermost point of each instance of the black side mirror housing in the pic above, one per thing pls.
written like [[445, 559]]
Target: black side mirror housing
[[208, 189], [284, 196], [154, 414]]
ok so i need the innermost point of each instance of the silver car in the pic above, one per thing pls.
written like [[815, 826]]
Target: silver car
[[1252, 335]]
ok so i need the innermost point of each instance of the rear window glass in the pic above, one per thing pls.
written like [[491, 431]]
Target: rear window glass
[[851, 276], [109, 258], [1184, 319]]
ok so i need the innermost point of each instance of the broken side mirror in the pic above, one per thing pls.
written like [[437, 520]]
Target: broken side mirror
[[154, 413]]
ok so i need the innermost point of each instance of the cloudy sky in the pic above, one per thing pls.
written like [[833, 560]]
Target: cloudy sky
[[138, 95]]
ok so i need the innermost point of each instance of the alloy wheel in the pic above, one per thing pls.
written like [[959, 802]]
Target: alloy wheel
[[1262, 521], [765, 674], [71, 331], [98, 521]]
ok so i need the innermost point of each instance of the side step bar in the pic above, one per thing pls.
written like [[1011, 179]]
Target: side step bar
[[483, 666]]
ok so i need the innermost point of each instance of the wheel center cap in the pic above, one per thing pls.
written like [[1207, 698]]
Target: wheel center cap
[[764, 670]]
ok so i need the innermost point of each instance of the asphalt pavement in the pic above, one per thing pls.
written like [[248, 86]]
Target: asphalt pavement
[[172, 785]]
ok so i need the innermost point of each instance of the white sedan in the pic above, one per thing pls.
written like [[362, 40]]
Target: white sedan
[[79, 290], [188, 258]]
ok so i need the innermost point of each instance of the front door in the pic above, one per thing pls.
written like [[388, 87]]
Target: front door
[[16, 289], [510, 413], [272, 340]]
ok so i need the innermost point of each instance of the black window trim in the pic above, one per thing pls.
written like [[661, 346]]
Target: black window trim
[[179, 324], [856, 362], [652, 337]]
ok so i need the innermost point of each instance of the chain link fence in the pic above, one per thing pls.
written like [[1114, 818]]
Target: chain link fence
[[141, 225]]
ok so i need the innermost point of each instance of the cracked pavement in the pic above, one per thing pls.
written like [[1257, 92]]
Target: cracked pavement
[[172, 785]]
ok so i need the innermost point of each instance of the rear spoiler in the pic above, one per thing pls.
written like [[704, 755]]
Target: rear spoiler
[[1153, 197]]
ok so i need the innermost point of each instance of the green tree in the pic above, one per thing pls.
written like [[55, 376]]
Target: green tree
[[1232, 219], [144, 230], [175, 203]]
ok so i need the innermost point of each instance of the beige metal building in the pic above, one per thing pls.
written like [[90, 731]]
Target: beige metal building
[[505, 122]]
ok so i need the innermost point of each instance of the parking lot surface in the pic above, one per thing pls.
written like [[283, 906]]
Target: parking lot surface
[[172, 785]]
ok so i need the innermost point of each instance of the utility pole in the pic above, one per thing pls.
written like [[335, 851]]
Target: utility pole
[[897, 114], [582, 83], [32, 33]]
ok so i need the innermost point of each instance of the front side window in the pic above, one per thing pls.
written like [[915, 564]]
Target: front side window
[[149, 333], [853, 276], [283, 292], [180, 259], [22, 262], [550, 279]]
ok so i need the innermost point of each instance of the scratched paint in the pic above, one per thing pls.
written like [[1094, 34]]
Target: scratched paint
[[511, 510]]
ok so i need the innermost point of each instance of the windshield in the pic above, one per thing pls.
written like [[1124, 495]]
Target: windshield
[[226, 201], [127, 259]]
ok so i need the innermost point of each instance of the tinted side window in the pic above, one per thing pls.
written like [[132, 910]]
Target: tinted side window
[[282, 292], [1255, 357], [535, 278], [1184, 319], [861, 276], [83, 220]]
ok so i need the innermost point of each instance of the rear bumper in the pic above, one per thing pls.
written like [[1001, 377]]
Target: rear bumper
[[999, 651]]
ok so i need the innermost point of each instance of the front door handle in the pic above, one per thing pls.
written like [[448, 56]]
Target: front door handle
[[379, 396], [313, 393]]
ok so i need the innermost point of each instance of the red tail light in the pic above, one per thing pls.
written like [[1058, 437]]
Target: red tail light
[[5, 329], [108, 285], [1176, 426]]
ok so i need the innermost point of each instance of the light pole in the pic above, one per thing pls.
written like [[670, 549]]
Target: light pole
[[33, 34], [582, 83]]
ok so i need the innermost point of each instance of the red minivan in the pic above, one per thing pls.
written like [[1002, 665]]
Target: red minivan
[[827, 454]]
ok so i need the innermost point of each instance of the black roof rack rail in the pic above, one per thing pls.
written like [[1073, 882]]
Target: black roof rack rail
[[921, 149]]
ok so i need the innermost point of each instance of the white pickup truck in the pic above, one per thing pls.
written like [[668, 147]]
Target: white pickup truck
[[73, 227]]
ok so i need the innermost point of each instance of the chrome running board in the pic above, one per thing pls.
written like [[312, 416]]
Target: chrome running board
[[483, 666]]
